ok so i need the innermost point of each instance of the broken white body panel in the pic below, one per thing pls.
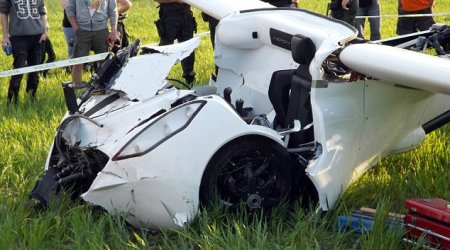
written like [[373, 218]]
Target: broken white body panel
[[157, 142], [142, 84], [161, 188], [357, 123]]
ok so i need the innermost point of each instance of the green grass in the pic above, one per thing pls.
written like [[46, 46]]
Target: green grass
[[26, 132]]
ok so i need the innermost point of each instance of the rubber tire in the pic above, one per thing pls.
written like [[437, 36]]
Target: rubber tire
[[213, 186]]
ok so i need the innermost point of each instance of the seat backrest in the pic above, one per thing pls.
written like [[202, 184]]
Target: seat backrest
[[303, 52], [279, 91], [303, 49], [289, 89]]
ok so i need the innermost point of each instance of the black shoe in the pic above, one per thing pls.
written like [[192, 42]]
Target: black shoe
[[190, 77], [44, 73]]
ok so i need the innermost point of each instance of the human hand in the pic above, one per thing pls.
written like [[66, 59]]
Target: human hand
[[6, 40], [6, 45], [43, 37], [113, 36], [344, 4]]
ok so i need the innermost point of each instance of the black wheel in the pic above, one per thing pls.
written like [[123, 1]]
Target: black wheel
[[252, 171]]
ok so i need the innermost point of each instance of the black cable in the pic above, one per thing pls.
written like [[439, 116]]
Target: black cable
[[180, 82]]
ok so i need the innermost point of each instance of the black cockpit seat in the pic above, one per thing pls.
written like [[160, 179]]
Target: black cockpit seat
[[289, 91]]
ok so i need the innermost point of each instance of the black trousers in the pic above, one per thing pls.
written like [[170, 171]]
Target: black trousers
[[27, 51], [212, 23], [47, 51], [407, 25], [179, 26]]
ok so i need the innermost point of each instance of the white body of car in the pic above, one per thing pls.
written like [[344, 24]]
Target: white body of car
[[151, 152]]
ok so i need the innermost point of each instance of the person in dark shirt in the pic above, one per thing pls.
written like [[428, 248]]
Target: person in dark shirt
[[24, 26], [123, 6], [344, 10], [69, 35]]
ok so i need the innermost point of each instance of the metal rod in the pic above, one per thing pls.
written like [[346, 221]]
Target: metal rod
[[437, 122]]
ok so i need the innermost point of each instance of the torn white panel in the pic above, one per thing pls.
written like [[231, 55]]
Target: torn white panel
[[181, 219], [70, 133], [107, 180], [144, 75]]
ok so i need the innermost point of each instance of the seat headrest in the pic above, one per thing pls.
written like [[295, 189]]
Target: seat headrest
[[303, 49]]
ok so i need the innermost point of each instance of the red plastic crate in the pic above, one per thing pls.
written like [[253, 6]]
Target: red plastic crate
[[437, 209], [430, 219]]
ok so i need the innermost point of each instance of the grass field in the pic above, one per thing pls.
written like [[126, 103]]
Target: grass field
[[26, 132]]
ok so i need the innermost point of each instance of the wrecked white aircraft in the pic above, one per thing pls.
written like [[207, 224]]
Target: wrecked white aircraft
[[300, 108]]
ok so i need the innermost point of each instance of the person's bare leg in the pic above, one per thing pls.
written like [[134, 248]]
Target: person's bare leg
[[77, 73]]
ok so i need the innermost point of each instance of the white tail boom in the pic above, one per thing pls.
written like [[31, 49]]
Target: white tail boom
[[405, 67]]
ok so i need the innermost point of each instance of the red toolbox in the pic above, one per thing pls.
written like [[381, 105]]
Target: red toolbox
[[429, 219]]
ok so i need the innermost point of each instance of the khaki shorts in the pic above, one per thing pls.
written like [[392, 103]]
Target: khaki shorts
[[85, 41]]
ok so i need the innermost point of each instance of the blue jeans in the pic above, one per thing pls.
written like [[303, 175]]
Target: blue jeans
[[26, 51], [69, 35], [372, 10]]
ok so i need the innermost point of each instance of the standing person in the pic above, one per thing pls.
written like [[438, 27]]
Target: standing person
[[369, 8], [212, 24], [176, 21], [344, 10], [47, 51], [24, 29], [407, 25], [89, 20], [69, 35], [124, 5]]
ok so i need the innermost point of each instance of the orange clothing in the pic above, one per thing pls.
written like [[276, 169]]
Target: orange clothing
[[415, 5]]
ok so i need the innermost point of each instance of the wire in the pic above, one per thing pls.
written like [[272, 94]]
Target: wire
[[180, 82]]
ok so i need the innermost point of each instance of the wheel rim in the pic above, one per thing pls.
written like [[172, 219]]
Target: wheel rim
[[252, 177]]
